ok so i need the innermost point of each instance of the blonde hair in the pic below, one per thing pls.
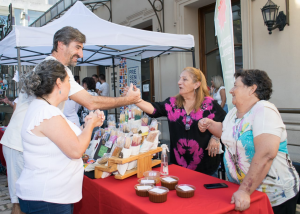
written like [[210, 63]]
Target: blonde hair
[[218, 82], [201, 91]]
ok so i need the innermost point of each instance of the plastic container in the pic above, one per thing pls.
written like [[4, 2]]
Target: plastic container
[[152, 175], [169, 184], [143, 192], [158, 194], [186, 192], [147, 180]]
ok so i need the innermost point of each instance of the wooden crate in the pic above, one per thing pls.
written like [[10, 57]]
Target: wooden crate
[[144, 163]]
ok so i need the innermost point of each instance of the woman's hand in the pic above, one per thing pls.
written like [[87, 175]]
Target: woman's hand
[[213, 147], [204, 124], [96, 118], [241, 199]]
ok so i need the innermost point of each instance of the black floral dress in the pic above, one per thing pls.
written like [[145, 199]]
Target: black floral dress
[[188, 146]]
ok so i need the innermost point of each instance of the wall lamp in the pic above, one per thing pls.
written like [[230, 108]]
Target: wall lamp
[[271, 19]]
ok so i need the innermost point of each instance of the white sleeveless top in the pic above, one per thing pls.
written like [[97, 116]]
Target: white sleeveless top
[[217, 95], [48, 174]]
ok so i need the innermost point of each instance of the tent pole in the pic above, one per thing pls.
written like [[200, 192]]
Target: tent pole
[[113, 64], [193, 54], [19, 59]]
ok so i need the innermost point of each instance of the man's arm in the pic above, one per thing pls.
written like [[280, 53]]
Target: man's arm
[[98, 102]]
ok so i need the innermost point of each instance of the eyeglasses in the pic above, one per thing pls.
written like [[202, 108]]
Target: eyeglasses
[[187, 121]]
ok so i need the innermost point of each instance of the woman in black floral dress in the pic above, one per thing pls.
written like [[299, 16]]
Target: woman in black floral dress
[[190, 148]]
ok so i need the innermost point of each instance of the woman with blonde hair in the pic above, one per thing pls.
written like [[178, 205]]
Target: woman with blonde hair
[[190, 148], [218, 91]]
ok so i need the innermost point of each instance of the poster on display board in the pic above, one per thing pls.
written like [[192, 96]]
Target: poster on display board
[[130, 72], [134, 71], [123, 75], [224, 32]]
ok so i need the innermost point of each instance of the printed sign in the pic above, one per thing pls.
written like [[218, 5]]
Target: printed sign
[[224, 32]]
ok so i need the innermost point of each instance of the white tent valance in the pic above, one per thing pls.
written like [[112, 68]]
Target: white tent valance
[[104, 40]]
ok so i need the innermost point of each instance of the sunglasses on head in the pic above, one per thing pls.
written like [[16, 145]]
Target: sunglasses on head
[[187, 125]]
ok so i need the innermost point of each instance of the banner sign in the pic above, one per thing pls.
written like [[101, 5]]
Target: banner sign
[[224, 32], [134, 71]]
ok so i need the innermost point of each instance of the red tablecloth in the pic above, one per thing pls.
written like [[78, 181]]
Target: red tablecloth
[[1, 152], [118, 197]]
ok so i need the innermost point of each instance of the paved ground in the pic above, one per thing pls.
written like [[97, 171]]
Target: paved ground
[[5, 205]]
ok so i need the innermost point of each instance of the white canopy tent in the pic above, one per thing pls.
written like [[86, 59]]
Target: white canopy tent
[[104, 40]]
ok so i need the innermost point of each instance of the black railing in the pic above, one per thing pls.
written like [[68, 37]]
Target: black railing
[[289, 110], [63, 5]]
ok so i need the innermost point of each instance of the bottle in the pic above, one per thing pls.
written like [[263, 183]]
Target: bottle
[[126, 115], [129, 112], [164, 170]]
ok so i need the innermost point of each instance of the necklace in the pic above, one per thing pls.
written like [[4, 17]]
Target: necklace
[[46, 100], [235, 156]]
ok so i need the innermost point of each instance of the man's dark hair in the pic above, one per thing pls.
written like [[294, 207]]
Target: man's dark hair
[[102, 77], [95, 75], [90, 83], [258, 78], [67, 35]]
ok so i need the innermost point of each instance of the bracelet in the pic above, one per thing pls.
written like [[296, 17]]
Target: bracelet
[[215, 138]]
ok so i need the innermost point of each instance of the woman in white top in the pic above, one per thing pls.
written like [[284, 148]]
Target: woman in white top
[[51, 180], [255, 139], [218, 91]]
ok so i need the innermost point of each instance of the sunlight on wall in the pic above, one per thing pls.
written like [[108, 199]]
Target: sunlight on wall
[[298, 3]]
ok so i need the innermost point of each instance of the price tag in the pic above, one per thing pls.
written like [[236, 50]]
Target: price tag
[[147, 181], [157, 190], [186, 188], [108, 144], [169, 179], [146, 88], [143, 187]]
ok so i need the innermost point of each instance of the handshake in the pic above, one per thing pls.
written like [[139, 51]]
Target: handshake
[[132, 92]]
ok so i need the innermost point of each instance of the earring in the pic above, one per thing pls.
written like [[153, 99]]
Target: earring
[[194, 91], [59, 91]]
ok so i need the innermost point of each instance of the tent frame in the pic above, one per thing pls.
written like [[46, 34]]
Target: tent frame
[[110, 56]]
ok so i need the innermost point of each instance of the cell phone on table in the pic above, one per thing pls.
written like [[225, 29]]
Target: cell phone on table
[[215, 186]]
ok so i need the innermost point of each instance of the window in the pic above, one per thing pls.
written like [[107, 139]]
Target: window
[[33, 15], [52, 2], [18, 20], [210, 61], [3, 19]]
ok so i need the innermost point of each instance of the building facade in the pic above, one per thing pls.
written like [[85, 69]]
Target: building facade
[[254, 48], [25, 12]]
